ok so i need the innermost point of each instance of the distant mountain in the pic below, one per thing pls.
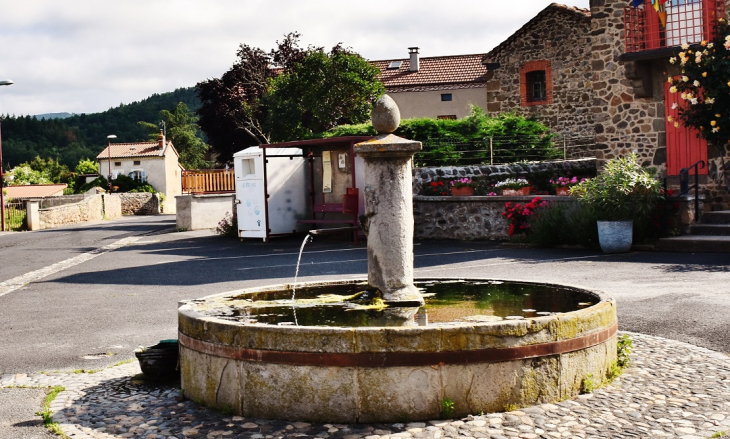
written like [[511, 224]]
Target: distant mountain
[[50, 116], [71, 137]]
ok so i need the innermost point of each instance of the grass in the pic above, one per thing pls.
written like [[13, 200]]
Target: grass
[[720, 434], [46, 413], [447, 408]]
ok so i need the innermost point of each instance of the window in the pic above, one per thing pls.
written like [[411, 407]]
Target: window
[[136, 162], [536, 91], [394, 65], [117, 163], [536, 83], [448, 116], [138, 176], [446, 96]]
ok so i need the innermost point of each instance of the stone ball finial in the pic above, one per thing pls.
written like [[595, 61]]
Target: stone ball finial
[[386, 115]]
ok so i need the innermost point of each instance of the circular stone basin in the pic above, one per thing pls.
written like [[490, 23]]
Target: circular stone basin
[[477, 346]]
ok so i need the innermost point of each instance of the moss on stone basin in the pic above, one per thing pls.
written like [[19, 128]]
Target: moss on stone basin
[[390, 373]]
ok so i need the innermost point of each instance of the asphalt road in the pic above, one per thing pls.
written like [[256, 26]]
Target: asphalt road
[[97, 312]]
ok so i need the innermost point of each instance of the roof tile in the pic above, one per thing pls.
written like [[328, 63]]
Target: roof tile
[[433, 71], [140, 149], [35, 190]]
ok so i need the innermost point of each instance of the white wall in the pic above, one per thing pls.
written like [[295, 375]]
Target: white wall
[[429, 103]]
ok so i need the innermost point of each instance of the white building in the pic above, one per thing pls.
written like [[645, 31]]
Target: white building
[[442, 87], [155, 163]]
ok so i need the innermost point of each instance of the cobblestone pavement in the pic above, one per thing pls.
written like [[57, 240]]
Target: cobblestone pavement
[[670, 390]]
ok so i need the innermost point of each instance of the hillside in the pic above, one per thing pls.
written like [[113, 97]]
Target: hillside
[[84, 135]]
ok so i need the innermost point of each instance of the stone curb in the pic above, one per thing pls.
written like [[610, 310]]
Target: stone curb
[[671, 390]]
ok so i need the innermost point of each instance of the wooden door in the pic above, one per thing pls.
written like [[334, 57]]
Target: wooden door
[[685, 147]]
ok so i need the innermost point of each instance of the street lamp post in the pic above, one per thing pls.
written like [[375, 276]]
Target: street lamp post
[[2, 181], [109, 151]]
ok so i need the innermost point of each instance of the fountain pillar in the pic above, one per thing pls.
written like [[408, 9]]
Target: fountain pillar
[[388, 219]]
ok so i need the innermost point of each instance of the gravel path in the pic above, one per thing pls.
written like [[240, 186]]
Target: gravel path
[[670, 390]]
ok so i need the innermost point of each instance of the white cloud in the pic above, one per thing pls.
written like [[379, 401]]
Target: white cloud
[[87, 56]]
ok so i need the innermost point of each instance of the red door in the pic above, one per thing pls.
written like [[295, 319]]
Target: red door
[[685, 147]]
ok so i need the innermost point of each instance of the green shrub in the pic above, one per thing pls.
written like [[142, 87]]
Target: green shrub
[[623, 190], [563, 224]]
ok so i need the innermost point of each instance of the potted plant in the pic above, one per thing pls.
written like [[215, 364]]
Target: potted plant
[[623, 191], [562, 185], [435, 188], [514, 186], [462, 187]]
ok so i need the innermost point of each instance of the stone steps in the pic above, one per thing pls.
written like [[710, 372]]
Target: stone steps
[[710, 236]]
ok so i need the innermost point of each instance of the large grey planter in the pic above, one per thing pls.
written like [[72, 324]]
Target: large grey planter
[[615, 236]]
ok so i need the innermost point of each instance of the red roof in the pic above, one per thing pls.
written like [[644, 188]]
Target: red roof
[[434, 73], [35, 190], [140, 149]]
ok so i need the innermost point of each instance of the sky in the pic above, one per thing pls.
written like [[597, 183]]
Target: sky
[[86, 56]]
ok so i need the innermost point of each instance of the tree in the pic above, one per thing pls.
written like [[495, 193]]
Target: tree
[[285, 94], [704, 84], [232, 112], [182, 130], [24, 174], [322, 91], [86, 166]]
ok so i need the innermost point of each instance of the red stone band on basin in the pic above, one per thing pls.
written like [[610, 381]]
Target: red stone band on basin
[[400, 359]]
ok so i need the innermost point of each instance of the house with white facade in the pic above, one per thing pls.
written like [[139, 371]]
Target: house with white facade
[[443, 87], [155, 163]]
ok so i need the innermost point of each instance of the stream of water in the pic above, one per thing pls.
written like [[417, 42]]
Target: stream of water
[[296, 273]]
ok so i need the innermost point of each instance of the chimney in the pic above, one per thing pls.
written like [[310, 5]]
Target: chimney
[[161, 140], [413, 51]]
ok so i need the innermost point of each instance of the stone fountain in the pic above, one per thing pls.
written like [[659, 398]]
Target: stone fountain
[[388, 373]]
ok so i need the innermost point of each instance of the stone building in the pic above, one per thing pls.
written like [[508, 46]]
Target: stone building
[[156, 163], [544, 70], [441, 87], [604, 71]]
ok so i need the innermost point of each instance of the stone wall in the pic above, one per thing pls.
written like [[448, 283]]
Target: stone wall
[[422, 176], [559, 35], [91, 208], [139, 203], [466, 218], [197, 212]]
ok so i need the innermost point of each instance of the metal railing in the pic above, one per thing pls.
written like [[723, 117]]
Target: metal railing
[[15, 216], [680, 22], [503, 149], [208, 181], [685, 188]]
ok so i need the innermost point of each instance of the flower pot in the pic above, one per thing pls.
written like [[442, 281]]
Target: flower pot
[[159, 361], [562, 190], [514, 192], [462, 191], [615, 236]]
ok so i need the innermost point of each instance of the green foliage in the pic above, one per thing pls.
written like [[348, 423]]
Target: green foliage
[[623, 190], [182, 130], [519, 138], [321, 92], [51, 169], [87, 166], [563, 224], [586, 384], [624, 348], [285, 94], [704, 84], [46, 413], [24, 174], [122, 183], [72, 139], [447, 408], [228, 226]]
